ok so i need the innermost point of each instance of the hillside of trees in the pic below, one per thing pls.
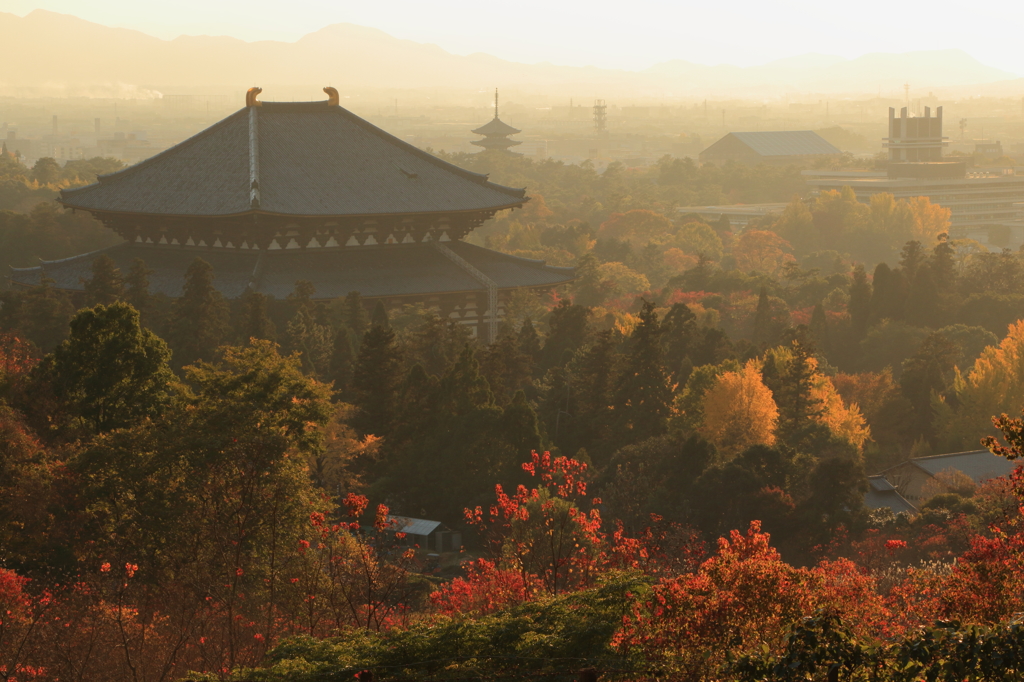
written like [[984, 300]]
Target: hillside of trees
[[658, 471]]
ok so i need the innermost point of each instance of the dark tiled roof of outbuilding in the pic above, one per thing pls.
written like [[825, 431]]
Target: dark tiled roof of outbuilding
[[373, 271], [881, 494], [313, 159]]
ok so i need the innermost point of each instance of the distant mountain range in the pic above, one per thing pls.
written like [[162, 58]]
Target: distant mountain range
[[62, 54]]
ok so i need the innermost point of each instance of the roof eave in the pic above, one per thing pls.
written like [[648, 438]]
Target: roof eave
[[461, 211]]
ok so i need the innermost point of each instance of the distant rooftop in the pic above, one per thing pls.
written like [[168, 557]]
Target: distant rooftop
[[882, 494], [787, 143], [980, 465]]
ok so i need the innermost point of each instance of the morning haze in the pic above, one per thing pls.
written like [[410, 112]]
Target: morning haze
[[489, 342]]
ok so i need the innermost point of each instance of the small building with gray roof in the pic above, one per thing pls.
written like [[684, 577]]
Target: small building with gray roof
[[917, 478]]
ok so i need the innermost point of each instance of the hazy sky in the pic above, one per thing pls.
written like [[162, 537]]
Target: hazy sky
[[631, 34]]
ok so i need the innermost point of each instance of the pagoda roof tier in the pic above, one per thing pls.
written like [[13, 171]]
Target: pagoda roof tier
[[292, 159], [495, 143], [496, 127], [373, 271]]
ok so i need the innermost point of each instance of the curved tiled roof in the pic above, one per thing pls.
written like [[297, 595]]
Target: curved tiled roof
[[292, 159], [373, 271], [496, 127]]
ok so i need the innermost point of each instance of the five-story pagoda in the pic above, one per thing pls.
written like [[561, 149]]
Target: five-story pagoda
[[496, 134], [281, 192]]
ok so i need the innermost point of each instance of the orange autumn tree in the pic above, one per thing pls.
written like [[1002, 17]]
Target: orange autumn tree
[[739, 411], [928, 220], [761, 251]]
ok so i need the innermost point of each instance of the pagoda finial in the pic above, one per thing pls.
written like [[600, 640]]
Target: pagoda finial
[[495, 102]]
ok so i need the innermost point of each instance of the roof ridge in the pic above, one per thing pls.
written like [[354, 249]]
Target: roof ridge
[[953, 454]]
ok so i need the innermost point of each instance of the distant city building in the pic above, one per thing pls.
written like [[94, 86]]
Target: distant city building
[[777, 148], [986, 204], [496, 133], [988, 148]]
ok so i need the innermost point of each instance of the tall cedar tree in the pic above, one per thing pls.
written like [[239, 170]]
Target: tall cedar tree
[[342, 366], [763, 319], [929, 370], [859, 306], [375, 381], [109, 372], [922, 303], [594, 374], [570, 324], [200, 318], [306, 335], [819, 330], [529, 342], [912, 256], [255, 322], [353, 314], [679, 340], [642, 396], [507, 368], [889, 295], [106, 285], [798, 408], [379, 316], [136, 291]]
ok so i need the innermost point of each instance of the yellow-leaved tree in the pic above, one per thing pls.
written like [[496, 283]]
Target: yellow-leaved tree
[[844, 421], [993, 386], [930, 220], [739, 411]]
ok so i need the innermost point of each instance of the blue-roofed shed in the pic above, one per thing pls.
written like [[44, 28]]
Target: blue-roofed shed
[[775, 147]]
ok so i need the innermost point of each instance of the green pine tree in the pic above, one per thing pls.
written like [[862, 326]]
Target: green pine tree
[[353, 314], [106, 285], [680, 337], [642, 397], [379, 317], [110, 372], [507, 368], [343, 357], [375, 381], [763, 331], [860, 305], [255, 322], [529, 341], [570, 325], [793, 392], [136, 293], [199, 321], [819, 330]]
